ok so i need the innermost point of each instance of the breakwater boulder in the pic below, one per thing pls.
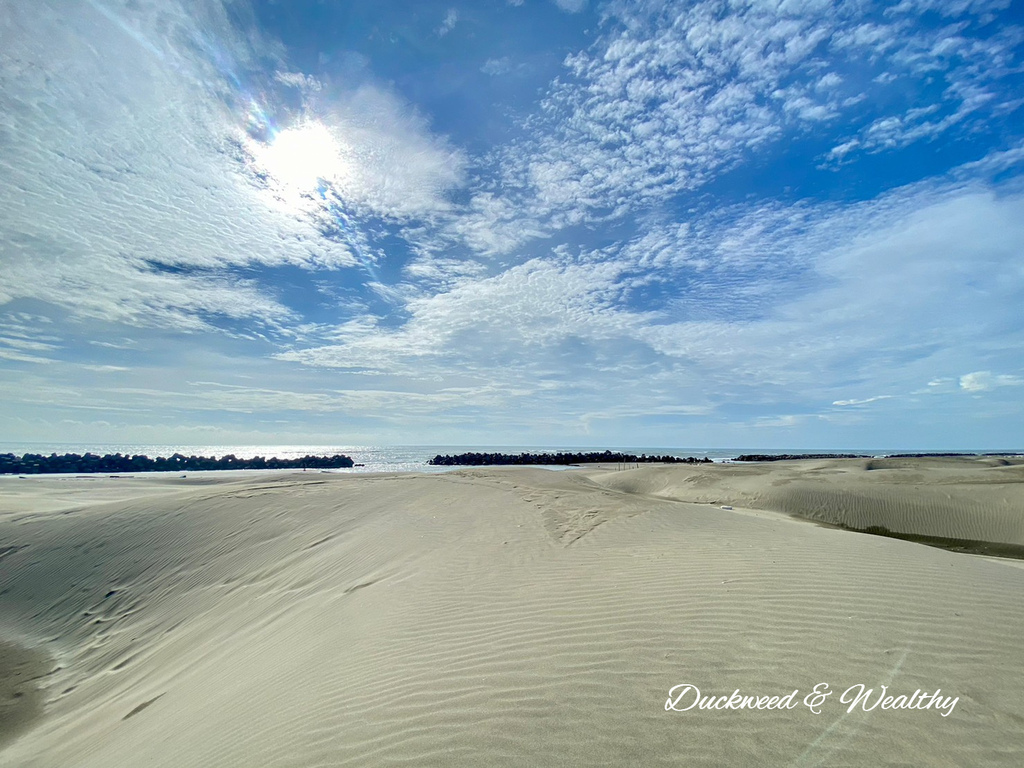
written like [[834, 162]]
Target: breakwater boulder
[[34, 463], [791, 456], [559, 459]]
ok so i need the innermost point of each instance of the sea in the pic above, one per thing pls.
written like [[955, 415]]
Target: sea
[[392, 458]]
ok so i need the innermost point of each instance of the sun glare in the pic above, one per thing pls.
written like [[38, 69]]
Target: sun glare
[[300, 157]]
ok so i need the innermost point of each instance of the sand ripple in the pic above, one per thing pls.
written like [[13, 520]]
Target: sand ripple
[[512, 617]]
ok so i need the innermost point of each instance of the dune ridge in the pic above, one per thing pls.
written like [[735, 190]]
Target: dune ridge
[[978, 499], [498, 617]]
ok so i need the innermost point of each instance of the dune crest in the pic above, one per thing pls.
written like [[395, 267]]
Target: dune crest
[[977, 499]]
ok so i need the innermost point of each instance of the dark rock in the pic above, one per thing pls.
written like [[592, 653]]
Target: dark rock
[[558, 459], [32, 463]]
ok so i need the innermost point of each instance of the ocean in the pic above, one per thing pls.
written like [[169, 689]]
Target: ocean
[[377, 458]]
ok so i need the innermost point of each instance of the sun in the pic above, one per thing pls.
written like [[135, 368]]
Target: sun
[[302, 157]]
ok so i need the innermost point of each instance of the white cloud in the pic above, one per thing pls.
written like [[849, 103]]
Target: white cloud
[[122, 164], [493, 226], [571, 6], [767, 304], [939, 385], [23, 357], [129, 290], [497, 67], [775, 422], [107, 368], [983, 381], [144, 196], [485, 321], [840, 151], [669, 98], [951, 8], [451, 18], [995, 162], [124, 190], [865, 401], [852, 314], [27, 344], [393, 167], [299, 80]]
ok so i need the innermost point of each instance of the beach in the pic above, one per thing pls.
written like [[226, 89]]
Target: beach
[[515, 616]]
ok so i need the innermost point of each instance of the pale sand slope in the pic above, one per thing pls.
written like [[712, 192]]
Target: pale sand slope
[[980, 499], [488, 618]]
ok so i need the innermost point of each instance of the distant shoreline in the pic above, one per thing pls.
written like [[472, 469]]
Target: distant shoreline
[[400, 459]]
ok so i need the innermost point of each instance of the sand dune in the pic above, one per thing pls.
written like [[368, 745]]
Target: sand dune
[[980, 499], [495, 617]]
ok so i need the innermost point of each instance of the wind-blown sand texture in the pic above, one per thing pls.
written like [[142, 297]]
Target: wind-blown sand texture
[[507, 617]]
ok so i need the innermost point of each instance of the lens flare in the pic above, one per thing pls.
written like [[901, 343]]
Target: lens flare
[[301, 157]]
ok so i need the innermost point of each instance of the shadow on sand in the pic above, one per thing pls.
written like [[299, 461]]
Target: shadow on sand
[[21, 700]]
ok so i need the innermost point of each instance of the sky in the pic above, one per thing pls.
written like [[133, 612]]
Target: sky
[[513, 222]]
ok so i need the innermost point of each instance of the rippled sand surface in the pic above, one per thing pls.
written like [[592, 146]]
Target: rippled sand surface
[[492, 617]]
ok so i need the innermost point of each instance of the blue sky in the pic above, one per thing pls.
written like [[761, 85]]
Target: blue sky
[[543, 222]]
